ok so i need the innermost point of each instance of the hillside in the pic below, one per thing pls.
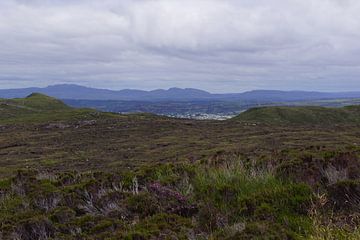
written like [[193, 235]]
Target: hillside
[[37, 108], [35, 102], [301, 115], [79, 174]]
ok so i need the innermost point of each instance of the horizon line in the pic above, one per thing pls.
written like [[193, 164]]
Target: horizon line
[[182, 88]]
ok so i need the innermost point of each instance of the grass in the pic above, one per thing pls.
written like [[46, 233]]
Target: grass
[[231, 202], [223, 202], [115, 142], [302, 115], [240, 196], [333, 233], [34, 103], [39, 102], [100, 203], [39, 108]]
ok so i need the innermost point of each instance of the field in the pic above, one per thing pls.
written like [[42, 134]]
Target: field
[[268, 174]]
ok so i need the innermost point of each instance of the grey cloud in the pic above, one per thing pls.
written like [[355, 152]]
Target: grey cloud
[[218, 45]]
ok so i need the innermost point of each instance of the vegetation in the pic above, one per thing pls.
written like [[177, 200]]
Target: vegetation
[[38, 108], [80, 174], [73, 205], [302, 115]]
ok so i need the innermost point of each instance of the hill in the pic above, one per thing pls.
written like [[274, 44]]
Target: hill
[[33, 103], [37, 108], [301, 115], [71, 91], [38, 102]]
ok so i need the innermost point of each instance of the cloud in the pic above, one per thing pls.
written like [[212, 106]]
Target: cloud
[[219, 45]]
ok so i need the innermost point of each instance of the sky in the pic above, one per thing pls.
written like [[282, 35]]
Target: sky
[[215, 45]]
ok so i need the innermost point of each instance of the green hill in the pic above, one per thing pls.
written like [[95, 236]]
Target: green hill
[[301, 115], [35, 102], [42, 102], [38, 108]]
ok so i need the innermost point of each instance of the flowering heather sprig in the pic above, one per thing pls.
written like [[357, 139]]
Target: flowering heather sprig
[[181, 204], [166, 192]]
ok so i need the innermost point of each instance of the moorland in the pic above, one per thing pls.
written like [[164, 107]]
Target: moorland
[[269, 173]]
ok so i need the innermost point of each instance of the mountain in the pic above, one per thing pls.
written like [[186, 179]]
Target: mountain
[[70, 91], [301, 115]]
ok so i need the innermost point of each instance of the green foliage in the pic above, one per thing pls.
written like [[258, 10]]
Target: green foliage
[[10, 206], [166, 174], [46, 186], [334, 233], [240, 197], [160, 224], [263, 230], [143, 204], [5, 184], [233, 203], [102, 226], [62, 215], [85, 222]]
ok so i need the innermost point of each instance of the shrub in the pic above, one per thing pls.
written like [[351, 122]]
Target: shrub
[[345, 195], [174, 226], [142, 204]]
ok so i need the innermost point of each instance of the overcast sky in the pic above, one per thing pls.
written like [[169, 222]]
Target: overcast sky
[[216, 45]]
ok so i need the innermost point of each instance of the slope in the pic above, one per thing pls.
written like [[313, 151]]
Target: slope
[[301, 115], [38, 108]]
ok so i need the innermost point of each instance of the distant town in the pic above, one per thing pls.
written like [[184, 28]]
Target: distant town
[[203, 116]]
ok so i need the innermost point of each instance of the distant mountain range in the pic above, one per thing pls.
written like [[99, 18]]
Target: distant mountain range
[[70, 91]]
